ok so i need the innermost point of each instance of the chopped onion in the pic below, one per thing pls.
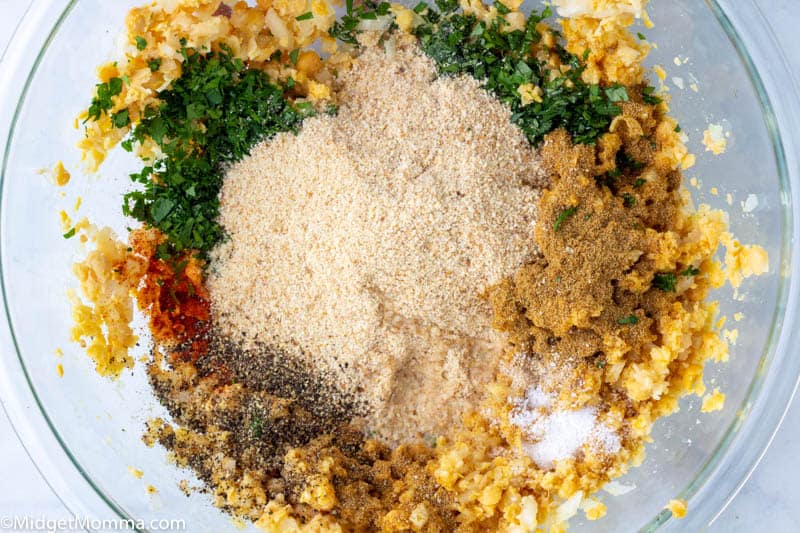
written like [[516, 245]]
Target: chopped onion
[[569, 508], [381, 23], [615, 488]]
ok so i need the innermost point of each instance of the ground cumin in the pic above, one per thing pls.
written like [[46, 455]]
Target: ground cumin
[[600, 227]]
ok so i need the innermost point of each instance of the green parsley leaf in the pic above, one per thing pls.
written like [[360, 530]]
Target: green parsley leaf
[[154, 64], [628, 320], [70, 234], [665, 281], [677, 128], [641, 36], [305, 16], [293, 55], [120, 119], [648, 96], [563, 216], [256, 426], [628, 200], [141, 43], [617, 93], [639, 182], [419, 8], [690, 271]]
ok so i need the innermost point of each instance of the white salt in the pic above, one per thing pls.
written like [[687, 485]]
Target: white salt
[[551, 435]]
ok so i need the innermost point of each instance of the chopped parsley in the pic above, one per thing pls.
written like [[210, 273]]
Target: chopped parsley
[[294, 55], [628, 200], [690, 271], [141, 43], [70, 234], [256, 426], [154, 64], [102, 102], [420, 8], [305, 16], [563, 216], [641, 36], [665, 281], [346, 27], [677, 128], [628, 320], [648, 97], [639, 182], [212, 115], [121, 119], [626, 162], [617, 93]]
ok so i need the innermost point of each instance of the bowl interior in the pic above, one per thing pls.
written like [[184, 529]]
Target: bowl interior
[[100, 422]]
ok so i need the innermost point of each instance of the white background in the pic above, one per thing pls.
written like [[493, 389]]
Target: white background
[[770, 501]]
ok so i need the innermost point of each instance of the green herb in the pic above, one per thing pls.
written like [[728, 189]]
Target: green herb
[[503, 60], [563, 216], [102, 102], [294, 55], [665, 281], [617, 93], [210, 116], [641, 36], [256, 426], [648, 96], [639, 182], [587, 216], [420, 8], [305, 16], [154, 64], [677, 128], [141, 44], [628, 320], [70, 234], [600, 363], [626, 162], [690, 271], [121, 119], [502, 8], [346, 27], [628, 200]]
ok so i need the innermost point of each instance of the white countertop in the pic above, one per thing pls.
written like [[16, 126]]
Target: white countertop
[[768, 502]]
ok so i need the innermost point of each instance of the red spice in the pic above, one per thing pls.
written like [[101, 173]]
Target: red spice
[[173, 295]]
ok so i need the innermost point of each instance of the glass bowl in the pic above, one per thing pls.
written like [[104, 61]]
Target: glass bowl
[[83, 432]]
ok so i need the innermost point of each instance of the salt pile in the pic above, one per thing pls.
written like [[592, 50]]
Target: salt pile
[[551, 434]]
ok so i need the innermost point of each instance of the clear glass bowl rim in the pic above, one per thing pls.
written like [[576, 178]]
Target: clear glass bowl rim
[[745, 441]]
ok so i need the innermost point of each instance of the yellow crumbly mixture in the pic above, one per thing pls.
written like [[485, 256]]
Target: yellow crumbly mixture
[[506, 491], [253, 34]]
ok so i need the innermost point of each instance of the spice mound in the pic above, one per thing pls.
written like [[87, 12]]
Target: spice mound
[[363, 244]]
